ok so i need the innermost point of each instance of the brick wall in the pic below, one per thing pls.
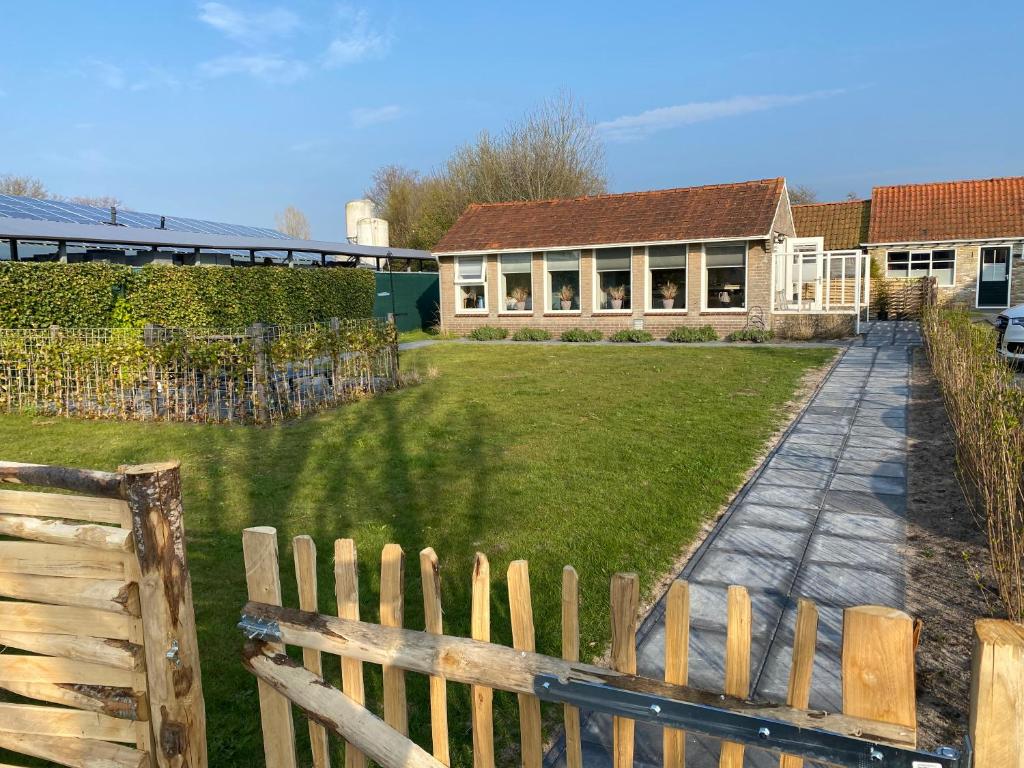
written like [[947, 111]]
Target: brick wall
[[659, 323]]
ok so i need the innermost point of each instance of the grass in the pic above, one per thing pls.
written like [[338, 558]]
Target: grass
[[606, 458], [417, 335]]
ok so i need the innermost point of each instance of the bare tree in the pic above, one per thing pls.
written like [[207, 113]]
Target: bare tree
[[293, 223], [23, 186], [99, 201], [553, 152], [801, 194]]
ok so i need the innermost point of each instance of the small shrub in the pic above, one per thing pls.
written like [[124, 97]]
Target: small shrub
[[581, 335], [631, 335], [531, 334], [756, 335], [685, 334], [488, 333]]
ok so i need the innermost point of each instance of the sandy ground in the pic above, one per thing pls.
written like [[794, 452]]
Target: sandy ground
[[948, 581]]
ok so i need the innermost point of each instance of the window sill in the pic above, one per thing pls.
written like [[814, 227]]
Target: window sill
[[562, 313], [679, 311], [516, 313], [738, 311], [613, 312], [472, 313]]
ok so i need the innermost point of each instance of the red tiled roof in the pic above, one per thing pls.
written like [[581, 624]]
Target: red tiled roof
[[949, 210], [843, 225], [746, 209]]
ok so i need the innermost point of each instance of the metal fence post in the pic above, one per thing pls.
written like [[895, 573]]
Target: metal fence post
[[260, 377]]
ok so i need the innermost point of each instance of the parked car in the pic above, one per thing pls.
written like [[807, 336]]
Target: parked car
[[1010, 327]]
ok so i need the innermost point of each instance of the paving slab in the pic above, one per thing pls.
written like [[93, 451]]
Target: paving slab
[[822, 518]]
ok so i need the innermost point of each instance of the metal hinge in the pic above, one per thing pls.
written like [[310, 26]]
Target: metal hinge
[[259, 629]]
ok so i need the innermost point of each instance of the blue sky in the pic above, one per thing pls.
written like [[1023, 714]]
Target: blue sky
[[232, 110]]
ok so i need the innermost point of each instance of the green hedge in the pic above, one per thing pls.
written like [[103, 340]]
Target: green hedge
[[73, 296], [104, 295]]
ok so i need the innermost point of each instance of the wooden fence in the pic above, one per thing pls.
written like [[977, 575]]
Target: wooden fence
[[903, 298], [879, 704], [259, 374], [97, 590]]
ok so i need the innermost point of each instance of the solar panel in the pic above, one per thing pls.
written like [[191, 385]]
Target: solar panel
[[12, 206]]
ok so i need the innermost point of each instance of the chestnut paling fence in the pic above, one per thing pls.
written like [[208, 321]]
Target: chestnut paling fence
[[985, 404], [877, 725], [97, 633], [259, 374]]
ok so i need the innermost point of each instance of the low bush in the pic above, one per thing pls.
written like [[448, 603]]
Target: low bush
[[756, 335], [631, 335], [531, 334], [581, 335], [686, 334], [488, 333]]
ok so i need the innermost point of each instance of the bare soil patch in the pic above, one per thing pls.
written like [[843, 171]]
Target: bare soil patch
[[948, 567]]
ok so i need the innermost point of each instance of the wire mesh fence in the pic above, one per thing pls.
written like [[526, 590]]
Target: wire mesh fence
[[260, 374]]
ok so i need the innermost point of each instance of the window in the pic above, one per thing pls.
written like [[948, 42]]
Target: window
[[666, 277], [516, 275], [937, 264], [470, 284], [613, 285], [725, 276], [563, 280]]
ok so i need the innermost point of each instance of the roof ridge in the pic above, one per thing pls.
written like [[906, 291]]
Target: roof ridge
[[833, 202], [949, 182], [638, 193]]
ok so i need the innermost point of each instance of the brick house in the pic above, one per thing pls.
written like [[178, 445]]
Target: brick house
[[657, 260], [966, 234]]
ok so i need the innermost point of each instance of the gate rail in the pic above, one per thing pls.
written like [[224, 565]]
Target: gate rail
[[877, 727]]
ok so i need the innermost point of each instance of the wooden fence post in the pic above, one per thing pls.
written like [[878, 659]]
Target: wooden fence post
[[392, 613], [482, 697], [677, 663], [263, 579], [523, 639], [997, 694], [878, 665], [737, 663], [304, 552], [430, 577], [260, 378], [625, 601], [571, 652], [153, 494]]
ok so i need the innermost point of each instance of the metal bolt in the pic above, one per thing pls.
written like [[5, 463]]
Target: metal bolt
[[546, 686], [655, 709], [875, 756], [951, 752], [172, 654], [763, 733]]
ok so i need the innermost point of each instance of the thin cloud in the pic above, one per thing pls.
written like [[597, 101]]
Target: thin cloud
[[267, 67], [249, 27], [634, 127], [116, 78], [360, 40], [365, 116]]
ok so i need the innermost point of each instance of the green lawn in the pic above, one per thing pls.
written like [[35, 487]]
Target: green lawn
[[605, 458]]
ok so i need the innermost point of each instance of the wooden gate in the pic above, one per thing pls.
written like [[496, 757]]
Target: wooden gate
[[98, 593], [877, 726]]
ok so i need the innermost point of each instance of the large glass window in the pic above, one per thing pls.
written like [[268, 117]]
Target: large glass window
[[563, 280], [938, 264], [470, 284], [725, 268], [516, 281], [613, 285], [666, 277]]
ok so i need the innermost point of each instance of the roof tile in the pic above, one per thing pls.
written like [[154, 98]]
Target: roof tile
[[843, 225], [745, 209], [950, 210]]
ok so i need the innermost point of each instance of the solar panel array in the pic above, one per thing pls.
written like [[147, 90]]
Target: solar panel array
[[57, 210], [13, 206]]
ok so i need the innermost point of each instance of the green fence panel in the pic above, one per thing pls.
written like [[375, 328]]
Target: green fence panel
[[414, 297]]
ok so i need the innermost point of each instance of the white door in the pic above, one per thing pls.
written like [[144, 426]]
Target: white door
[[808, 263]]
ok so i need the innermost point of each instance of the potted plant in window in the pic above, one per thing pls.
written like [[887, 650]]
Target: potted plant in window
[[510, 302], [668, 293], [519, 297], [616, 295], [566, 294], [470, 299]]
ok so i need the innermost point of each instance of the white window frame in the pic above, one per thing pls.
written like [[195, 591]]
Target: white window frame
[[461, 310], [910, 260], [548, 288], [704, 280], [649, 284], [502, 308], [597, 286]]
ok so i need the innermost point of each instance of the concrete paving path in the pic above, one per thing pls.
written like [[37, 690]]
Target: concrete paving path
[[823, 518]]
